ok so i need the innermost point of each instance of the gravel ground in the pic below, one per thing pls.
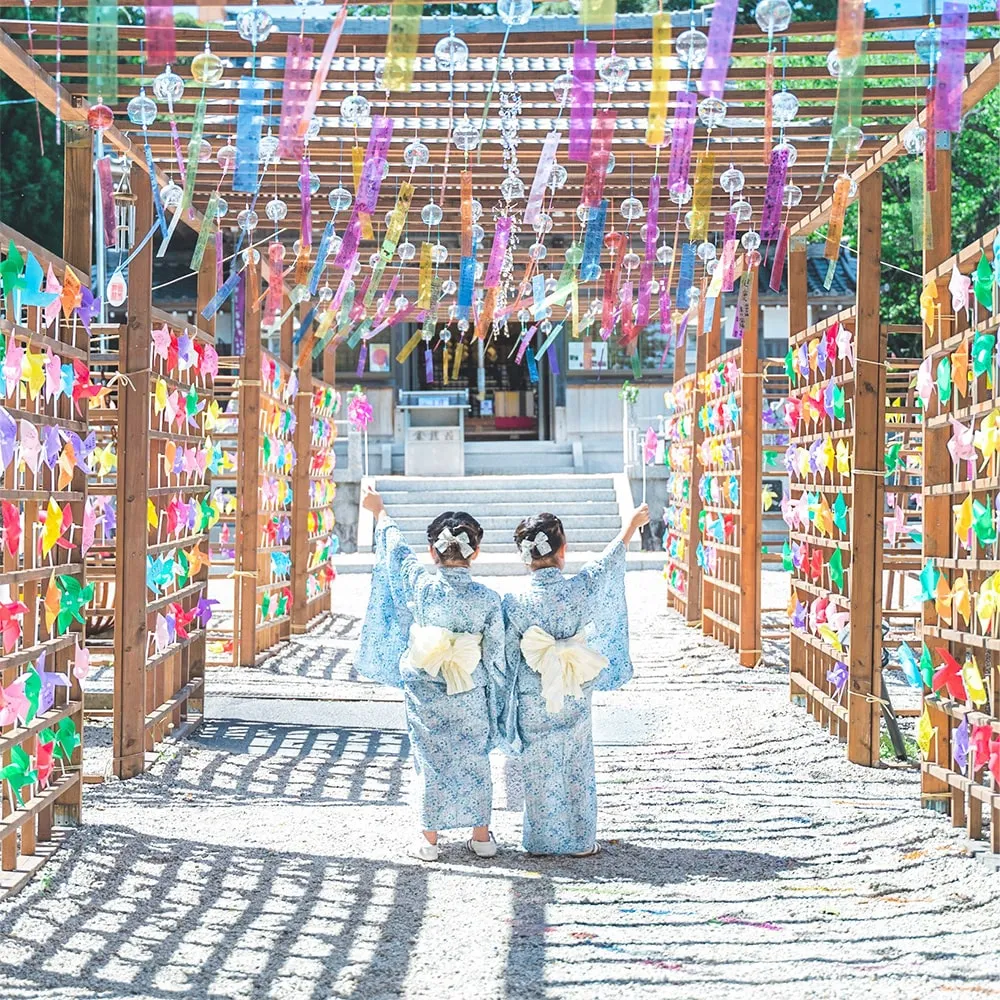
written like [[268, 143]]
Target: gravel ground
[[743, 858]]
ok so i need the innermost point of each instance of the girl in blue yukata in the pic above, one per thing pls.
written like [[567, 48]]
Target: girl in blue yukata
[[440, 637], [566, 638]]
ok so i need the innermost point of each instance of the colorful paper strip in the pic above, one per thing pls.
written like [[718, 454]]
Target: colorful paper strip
[[582, 100], [659, 92], [951, 67], [401, 45], [720, 45], [249, 119], [777, 172], [294, 92]]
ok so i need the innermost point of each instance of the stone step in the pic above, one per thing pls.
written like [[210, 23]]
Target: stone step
[[490, 484], [408, 521], [431, 504], [486, 464]]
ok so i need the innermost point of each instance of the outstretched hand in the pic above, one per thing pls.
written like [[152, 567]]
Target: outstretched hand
[[640, 517], [372, 501]]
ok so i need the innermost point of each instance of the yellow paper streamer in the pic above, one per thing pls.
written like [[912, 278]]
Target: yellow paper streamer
[[660, 84], [396, 223], [425, 277], [598, 11], [357, 165], [401, 45], [701, 203]]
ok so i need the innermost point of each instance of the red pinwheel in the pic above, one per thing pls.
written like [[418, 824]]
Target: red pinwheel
[[831, 341], [995, 761], [11, 526], [949, 675], [980, 743], [182, 619], [816, 565], [10, 627], [83, 388], [43, 762], [172, 353]]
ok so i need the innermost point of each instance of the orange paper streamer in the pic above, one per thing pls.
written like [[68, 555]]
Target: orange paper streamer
[[841, 190], [466, 178], [768, 105], [850, 28]]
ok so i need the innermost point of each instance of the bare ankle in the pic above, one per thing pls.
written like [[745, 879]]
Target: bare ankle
[[481, 834], [431, 836]]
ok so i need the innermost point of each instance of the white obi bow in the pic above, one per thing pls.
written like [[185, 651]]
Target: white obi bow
[[453, 655], [565, 665]]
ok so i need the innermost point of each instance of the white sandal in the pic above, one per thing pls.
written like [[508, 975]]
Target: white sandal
[[424, 850], [483, 848], [589, 853]]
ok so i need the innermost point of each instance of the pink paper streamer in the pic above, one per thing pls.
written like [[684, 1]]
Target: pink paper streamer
[[178, 152], [306, 198], [778, 267], [645, 294], [294, 91], [161, 41], [628, 320], [543, 172], [951, 67], [728, 252], [501, 237], [720, 45], [358, 309], [523, 346], [345, 280], [362, 359], [107, 200], [371, 173], [683, 139], [319, 80], [276, 282], [582, 100], [652, 218], [777, 172], [597, 164]]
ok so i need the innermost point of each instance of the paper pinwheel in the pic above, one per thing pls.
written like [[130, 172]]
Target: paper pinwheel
[[8, 438], [56, 523], [159, 573], [48, 681], [14, 704], [837, 675], [925, 733], [81, 662], [929, 304], [982, 284], [10, 627], [73, 597], [949, 676], [973, 681], [836, 567], [18, 773], [928, 581], [911, 670], [960, 744], [980, 742]]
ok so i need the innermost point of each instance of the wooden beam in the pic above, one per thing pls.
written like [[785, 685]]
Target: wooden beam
[[984, 77], [865, 659], [129, 739], [78, 200]]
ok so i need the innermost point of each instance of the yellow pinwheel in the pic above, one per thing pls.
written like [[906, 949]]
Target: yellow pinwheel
[[843, 457], [973, 681], [925, 733], [961, 598]]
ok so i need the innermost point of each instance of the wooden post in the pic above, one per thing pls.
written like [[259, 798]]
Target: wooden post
[[133, 485], [937, 514], [248, 492], [750, 483], [78, 198], [865, 679], [207, 280]]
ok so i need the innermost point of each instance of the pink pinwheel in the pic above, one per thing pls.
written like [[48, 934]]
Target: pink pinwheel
[[11, 526], [959, 285], [960, 445], [12, 364], [894, 524], [14, 704], [52, 286], [649, 447], [925, 381], [53, 375], [43, 762], [209, 361], [89, 526], [359, 411], [81, 662], [10, 627], [161, 342]]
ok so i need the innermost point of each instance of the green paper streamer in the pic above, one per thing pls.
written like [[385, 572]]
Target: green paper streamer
[[919, 217], [102, 52], [205, 232]]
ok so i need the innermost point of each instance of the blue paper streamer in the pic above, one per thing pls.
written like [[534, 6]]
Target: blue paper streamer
[[304, 326], [532, 368], [321, 254], [593, 242], [249, 121], [157, 202], [220, 297], [686, 276], [466, 281]]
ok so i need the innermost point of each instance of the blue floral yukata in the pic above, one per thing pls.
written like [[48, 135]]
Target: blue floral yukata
[[557, 750], [450, 734]]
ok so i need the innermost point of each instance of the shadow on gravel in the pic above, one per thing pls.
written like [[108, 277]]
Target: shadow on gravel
[[284, 764], [136, 916]]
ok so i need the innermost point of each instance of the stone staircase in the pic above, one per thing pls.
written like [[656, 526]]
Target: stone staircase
[[589, 506]]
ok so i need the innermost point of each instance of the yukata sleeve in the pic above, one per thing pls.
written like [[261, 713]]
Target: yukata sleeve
[[495, 667], [386, 629], [508, 696], [601, 585]]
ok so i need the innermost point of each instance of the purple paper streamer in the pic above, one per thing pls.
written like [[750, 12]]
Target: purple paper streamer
[[107, 200], [161, 44], [371, 173], [249, 119], [352, 240], [542, 173], [951, 67], [553, 359], [778, 266], [306, 200], [720, 45], [523, 346], [682, 329], [728, 252], [682, 141], [239, 312], [770, 218], [429, 366], [653, 218], [362, 360], [645, 293], [666, 313], [501, 237], [295, 89], [582, 100]]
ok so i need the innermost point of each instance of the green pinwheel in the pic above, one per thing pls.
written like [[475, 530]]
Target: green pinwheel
[[983, 345], [839, 410], [982, 284], [65, 738], [182, 567], [33, 692], [836, 567], [265, 607], [793, 375], [982, 523], [928, 582], [840, 512], [786, 557], [18, 773], [12, 271], [892, 462], [944, 379], [73, 598], [926, 666], [282, 608]]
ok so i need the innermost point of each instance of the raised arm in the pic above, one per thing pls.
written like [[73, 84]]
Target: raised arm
[[611, 562], [403, 568]]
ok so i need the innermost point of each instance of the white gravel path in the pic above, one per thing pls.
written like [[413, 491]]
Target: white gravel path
[[744, 858]]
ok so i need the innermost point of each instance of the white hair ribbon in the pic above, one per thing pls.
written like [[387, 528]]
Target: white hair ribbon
[[446, 540], [535, 548]]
